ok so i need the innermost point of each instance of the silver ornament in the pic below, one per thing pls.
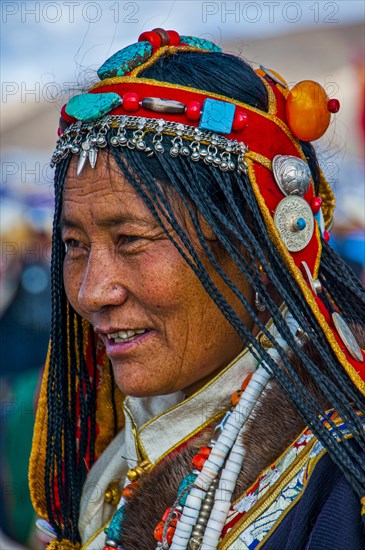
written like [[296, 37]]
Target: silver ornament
[[347, 336], [291, 174], [287, 213]]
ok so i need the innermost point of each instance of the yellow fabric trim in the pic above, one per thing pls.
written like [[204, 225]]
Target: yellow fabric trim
[[328, 198], [264, 161], [161, 84], [362, 502], [297, 275], [200, 429], [95, 535], [325, 190], [140, 450], [213, 380], [165, 50], [319, 254], [312, 465], [104, 408], [63, 545], [39, 443], [270, 96], [269, 497]]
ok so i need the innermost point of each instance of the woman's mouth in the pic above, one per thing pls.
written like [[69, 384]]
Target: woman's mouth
[[125, 335], [121, 341]]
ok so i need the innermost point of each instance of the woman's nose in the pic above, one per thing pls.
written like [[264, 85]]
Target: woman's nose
[[101, 285]]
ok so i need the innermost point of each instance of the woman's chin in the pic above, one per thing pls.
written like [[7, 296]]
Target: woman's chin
[[140, 386]]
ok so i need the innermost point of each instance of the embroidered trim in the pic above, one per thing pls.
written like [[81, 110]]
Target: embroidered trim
[[260, 511]]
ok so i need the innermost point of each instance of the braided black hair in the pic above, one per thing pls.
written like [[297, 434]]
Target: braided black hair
[[228, 204]]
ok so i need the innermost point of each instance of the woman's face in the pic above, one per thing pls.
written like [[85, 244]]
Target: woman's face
[[122, 273]]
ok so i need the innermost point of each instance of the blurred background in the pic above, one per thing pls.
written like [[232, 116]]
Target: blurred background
[[49, 50]]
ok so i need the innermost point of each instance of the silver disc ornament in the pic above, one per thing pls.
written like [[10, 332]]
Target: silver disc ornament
[[347, 336], [291, 174], [295, 223]]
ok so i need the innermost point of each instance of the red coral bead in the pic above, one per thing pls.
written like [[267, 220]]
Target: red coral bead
[[158, 532], [174, 38], [130, 490], [316, 204], [239, 120], [205, 451], [166, 514], [152, 37], [193, 110], [333, 105], [246, 381], [131, 101], [175, 518], [170, 534], [326, 236], [198, 461], [67, 117], [59, 132], [235, 397]]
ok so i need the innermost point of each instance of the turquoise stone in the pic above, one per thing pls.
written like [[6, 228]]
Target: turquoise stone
[[188, 480], [115, 529], [88, 107], [200, 43], [217, 116], [125, 60]]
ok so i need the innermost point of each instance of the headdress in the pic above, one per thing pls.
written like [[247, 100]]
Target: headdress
[[264, 152]]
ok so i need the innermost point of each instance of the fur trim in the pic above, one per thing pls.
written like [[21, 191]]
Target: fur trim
[[272, 427]]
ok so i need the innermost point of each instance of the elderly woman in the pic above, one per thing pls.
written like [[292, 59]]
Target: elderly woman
[[203, 388]]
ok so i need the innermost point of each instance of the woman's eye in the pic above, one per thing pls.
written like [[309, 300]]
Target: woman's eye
[[128, 240], [73, 246]]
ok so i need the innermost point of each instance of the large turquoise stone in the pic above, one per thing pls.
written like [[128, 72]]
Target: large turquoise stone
[[217, 116], [200, 43], [125, 60], [88, 107]]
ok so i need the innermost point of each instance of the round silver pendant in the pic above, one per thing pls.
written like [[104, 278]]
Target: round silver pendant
[[347, 336], [288, 213], [291, 174]]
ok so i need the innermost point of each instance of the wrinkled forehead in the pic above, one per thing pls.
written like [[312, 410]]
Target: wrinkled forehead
[[99, 190]]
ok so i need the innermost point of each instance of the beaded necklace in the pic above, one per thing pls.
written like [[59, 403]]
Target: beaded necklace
[[196, 519]]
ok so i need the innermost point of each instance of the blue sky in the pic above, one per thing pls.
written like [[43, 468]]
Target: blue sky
[[58, 41]]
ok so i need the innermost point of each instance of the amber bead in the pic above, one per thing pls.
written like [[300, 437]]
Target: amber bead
[[306, 110]]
